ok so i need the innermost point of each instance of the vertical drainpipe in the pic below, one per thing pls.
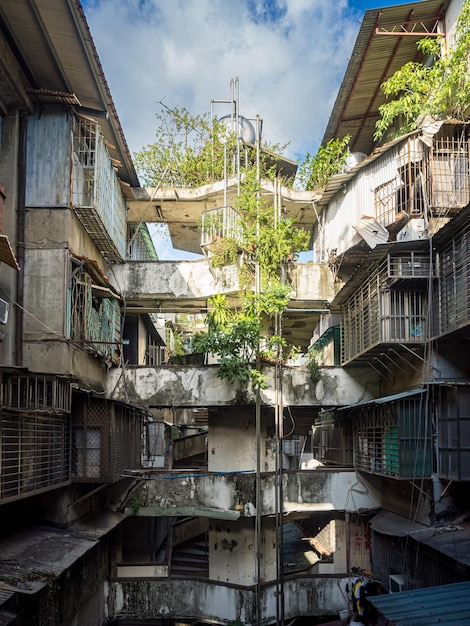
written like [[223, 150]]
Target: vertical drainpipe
[[20, 235], [280, 431], [258, 414]]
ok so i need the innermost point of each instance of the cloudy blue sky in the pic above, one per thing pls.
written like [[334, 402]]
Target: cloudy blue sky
[[289, 55]]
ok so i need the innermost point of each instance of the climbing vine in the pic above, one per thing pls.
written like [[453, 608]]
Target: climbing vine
[[192, 151], [241, 337]]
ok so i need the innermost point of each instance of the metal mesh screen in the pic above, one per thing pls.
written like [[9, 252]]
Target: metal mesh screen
[[394, 439], [97, 197], [35, 453], [106, 440], [451, 301]]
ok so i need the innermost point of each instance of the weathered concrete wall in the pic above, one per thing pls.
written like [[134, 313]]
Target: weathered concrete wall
[[303, 491], [236, 433], [223, 603], [232, 551], [320, 489], [163, 280], [192, 387], [45, 294], [57, 229], [53, 234], [94, 611], [59, 357]]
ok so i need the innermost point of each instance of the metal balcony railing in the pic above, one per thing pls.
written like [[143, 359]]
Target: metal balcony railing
[[220, 223], [97, 198]]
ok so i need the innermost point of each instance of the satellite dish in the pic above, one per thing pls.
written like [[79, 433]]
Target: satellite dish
[[246, 131]]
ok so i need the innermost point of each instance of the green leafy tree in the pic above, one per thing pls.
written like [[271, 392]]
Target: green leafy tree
[[267, 242], [438, 86], [190, 151], [316, 170]]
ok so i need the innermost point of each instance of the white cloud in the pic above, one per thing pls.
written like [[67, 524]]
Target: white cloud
[[289, 55]]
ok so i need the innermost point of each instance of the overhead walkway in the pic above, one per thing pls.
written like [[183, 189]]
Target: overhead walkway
[[185, 286], [194, 387]]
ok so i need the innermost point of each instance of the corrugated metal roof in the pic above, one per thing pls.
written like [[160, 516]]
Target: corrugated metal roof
[[48, 550], [388, 523], [383, 399], [7, 618], [375, 58], [445, 604], [5, 592], [453, 540]]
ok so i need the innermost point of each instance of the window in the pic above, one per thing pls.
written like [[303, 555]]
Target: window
[[87, 453]]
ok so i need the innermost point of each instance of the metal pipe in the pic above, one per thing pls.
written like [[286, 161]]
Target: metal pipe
[[20, 237], [280, 508], [307, 310], [258, 526]]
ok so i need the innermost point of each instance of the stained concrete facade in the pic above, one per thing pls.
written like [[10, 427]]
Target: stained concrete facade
[[201, 387], [208, 540], [197, 280], [235, 493], [223, 603]]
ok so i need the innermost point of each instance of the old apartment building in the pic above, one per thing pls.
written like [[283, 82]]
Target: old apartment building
[[138, 488]]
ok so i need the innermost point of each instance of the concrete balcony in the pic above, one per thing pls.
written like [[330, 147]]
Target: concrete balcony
[[230, 496], [185, 286], [200, 387], [181, 208], [143, 282], [222, 603]]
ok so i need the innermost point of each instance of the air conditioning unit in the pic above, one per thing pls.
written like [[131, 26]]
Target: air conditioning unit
[[3, 311], [291, 447], [396, 583]]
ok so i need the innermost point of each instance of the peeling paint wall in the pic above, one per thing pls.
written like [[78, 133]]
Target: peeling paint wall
[[193, 599], [194, 279], [232, 551], [236, 432], [158, 387], [170, 280], [303, 491]]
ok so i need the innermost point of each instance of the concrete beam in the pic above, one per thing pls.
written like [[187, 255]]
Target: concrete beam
[[192, 598], [140, 281], [201, 387], [181, 209], [229, 496]]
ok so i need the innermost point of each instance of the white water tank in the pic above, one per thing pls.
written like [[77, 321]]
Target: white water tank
[[246, 131]]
